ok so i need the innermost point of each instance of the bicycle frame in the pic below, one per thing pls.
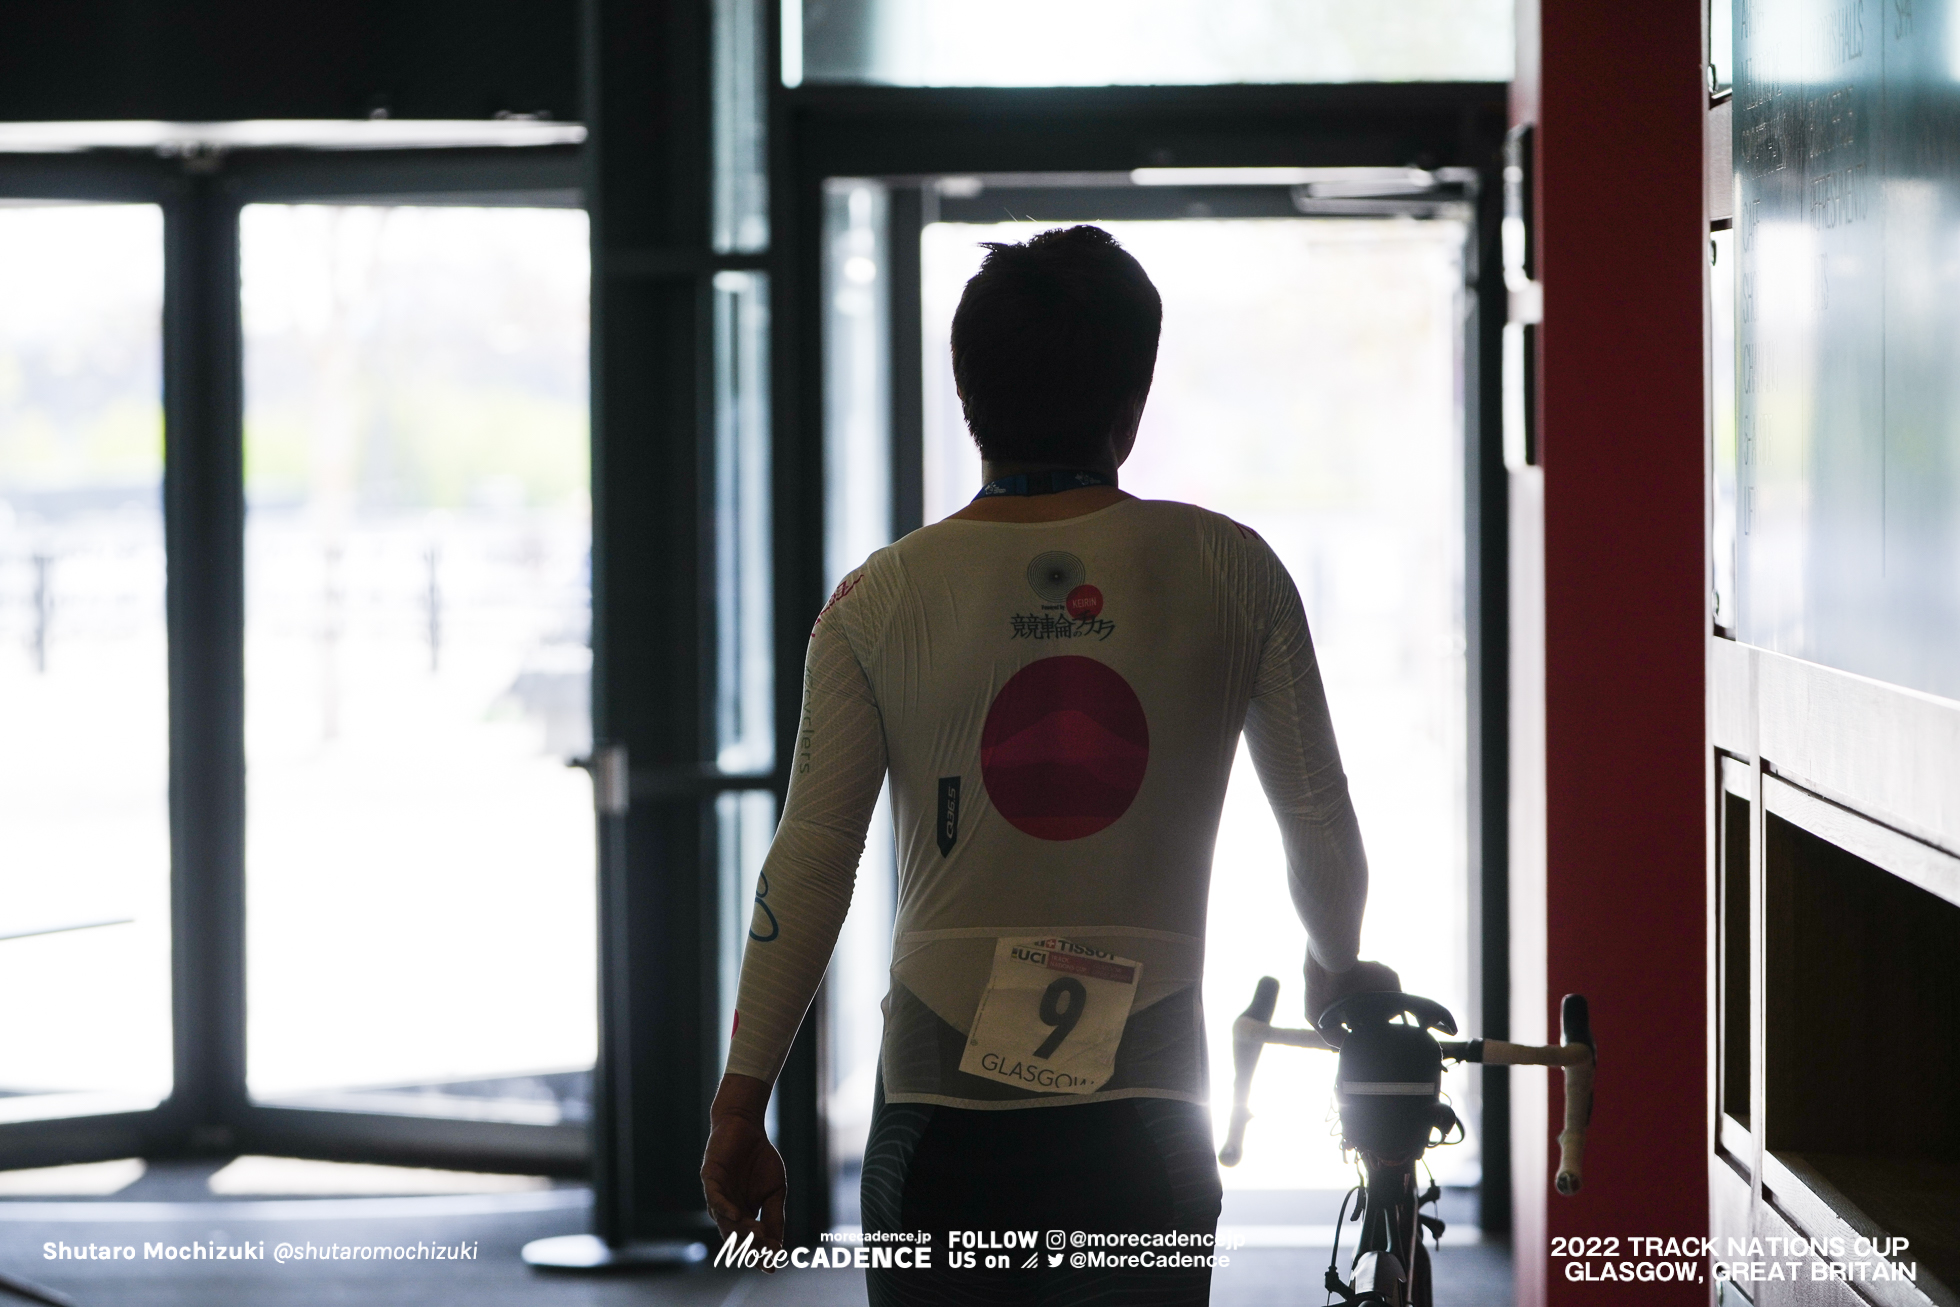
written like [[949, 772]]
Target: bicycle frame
[[1390, 1267]]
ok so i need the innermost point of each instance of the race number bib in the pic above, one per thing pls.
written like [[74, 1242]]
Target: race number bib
[[1052, 1016]]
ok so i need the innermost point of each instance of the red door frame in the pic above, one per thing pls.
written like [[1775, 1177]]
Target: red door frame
[[1615, 904]]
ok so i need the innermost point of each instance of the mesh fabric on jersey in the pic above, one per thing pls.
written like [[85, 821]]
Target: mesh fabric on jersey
[[1058, 705]]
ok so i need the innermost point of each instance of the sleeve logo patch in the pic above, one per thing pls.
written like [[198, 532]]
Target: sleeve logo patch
[[844, 587], [763, 912], [949, 814]]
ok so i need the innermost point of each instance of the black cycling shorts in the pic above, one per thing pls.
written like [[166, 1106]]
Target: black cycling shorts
[[1139, 1167]]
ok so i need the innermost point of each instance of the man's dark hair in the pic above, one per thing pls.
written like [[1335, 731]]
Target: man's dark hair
[[1054, 343]]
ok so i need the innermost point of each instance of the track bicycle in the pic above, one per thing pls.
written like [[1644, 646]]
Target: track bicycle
[[1389, 1091]]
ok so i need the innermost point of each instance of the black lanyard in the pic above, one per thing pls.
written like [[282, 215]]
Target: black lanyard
[[1053, 482]]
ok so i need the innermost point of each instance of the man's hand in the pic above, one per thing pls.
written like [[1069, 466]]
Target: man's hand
[[1326, 988], [742, 1173]]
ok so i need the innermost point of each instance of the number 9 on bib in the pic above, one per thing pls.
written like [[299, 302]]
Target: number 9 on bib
[[1052, 1016]]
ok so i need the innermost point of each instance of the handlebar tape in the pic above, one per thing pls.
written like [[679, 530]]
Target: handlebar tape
[[1265, 997], [1575, 1025], [1498, 1052], [1248, 1041], [1576, 1056]]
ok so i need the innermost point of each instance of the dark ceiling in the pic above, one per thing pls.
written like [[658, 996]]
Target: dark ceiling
[[217, 60]]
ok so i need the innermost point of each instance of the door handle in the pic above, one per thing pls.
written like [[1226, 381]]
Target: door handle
[[612, 786]]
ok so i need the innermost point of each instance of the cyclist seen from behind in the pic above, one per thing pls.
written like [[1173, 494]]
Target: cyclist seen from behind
[[1054, 680]]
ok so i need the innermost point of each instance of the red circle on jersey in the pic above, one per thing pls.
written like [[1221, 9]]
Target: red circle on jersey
[[1084, 602], [1064, 748]]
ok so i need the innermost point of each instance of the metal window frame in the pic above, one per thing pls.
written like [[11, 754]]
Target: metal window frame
[[209, 1112], [819, 132], [645, 176]]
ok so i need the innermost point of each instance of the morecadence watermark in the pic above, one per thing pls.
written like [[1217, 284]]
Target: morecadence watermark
[[984, 1250], [904, 1251], [207, 1250]]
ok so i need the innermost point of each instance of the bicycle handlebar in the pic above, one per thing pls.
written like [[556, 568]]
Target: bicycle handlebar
[[1250, 1035], [1575, 1032], [1576, 1054]]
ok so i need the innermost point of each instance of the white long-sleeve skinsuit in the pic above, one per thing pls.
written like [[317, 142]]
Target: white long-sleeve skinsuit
[[1058, 705]]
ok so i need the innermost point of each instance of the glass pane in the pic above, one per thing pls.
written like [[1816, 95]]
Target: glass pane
[[84, 729], [1721, 428], [420, 929], [744, 594], [857, 386], [1306, 385], [1721, 45], [1144, 42], [858, 520], [741, 136], [855, 987], [745, 822]]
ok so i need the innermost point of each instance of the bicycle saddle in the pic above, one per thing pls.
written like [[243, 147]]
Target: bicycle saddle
[[1378, 1008]]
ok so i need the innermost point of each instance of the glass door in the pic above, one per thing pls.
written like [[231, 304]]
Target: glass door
[[85, 1027], [419, 856], [388, 948], [1309, 384]]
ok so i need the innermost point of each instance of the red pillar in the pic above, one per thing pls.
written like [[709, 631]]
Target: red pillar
[[1619, 100]]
